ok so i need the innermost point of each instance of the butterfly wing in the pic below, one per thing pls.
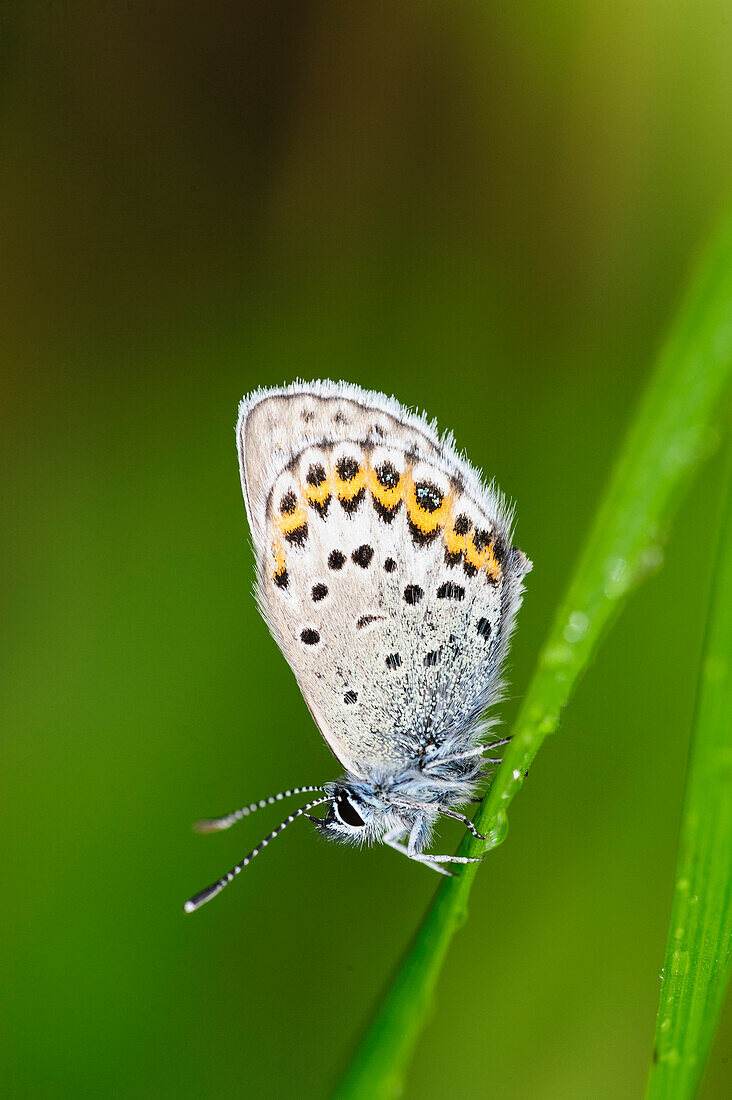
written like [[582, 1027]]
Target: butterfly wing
[[385, 569]]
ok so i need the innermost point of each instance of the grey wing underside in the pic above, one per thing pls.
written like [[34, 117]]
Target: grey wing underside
[[409, 648]]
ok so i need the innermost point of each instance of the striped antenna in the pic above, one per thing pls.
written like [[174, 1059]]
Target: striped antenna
[[216, 824], [216, 887]]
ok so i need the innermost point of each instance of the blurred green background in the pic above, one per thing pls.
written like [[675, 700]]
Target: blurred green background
[[487, 209]]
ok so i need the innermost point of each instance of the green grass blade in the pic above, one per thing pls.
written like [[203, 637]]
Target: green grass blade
[[671, 431], [699, 948]]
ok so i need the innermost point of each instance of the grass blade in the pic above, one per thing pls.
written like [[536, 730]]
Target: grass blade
[[699, 948], [671, 431]]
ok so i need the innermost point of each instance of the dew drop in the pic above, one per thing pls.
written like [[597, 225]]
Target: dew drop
[[617, 578], [576, 628], [558, 655], [652, 558], [499, 831]]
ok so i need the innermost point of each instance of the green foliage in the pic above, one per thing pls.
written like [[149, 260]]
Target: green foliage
[[699, 948], [672, 430], [485, 209]]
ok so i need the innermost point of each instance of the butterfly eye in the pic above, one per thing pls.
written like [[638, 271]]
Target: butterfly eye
[[348, 814]]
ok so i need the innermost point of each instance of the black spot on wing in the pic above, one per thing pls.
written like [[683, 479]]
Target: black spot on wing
[[484, 628], [365, 620], [299, 536], [351, 505], [413, 594], [288, 504], [500, 551], [450, 591], [387, 475], [420, 537], [315, 475], [347, 468], [363, 555], [387, 514], [428, 496]]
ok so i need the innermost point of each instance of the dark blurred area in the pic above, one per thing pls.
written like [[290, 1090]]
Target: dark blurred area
[[487, 209]]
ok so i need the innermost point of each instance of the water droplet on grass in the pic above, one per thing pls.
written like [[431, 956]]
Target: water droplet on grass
[[617, 578], [576, 628]]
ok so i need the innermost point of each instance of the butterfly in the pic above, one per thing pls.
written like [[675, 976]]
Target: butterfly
[[387, 576]]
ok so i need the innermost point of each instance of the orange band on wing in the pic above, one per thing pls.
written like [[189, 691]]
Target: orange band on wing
[[279, 573], [454, 542], [426, 521], [291, 521], [389, 498], [347, 489], [318, 494], [484, 558]]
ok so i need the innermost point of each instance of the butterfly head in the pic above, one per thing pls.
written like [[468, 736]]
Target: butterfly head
[[357, 813]]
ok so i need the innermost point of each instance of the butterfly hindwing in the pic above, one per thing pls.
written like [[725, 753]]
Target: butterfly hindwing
[[384, 567]]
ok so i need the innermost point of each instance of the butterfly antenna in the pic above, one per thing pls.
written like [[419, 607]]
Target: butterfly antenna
[[216, 887], [216, 824]]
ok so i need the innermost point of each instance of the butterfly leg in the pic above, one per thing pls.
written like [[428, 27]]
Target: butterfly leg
[[469, 825], [456, 757], [392, 839], [415, 853]]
